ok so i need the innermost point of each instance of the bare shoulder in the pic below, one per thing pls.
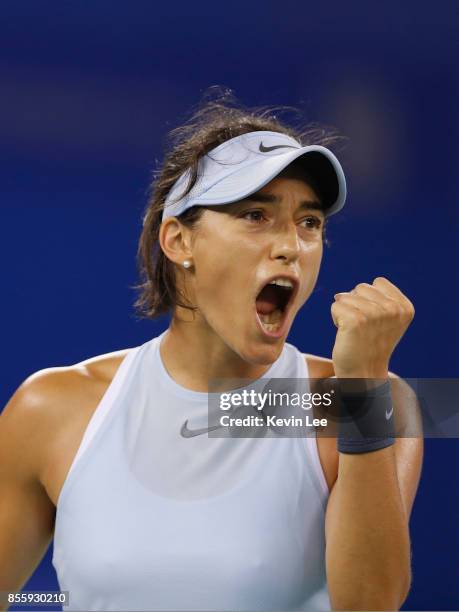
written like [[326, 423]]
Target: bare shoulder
[[319, 367], [54, 405], [53, 391], [322, 367]]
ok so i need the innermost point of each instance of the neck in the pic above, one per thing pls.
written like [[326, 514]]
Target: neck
[[193, 354]]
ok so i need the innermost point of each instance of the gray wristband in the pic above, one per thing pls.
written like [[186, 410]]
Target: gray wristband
[[366, 420]]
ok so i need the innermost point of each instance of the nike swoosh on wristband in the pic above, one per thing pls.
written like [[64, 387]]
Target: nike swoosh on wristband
[[189, 433], [389, 414], [264, 149]]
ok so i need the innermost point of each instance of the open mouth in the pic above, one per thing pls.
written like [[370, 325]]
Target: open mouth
[[273, 303]]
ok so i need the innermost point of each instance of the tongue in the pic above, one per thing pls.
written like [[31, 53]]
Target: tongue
[[267, 300]]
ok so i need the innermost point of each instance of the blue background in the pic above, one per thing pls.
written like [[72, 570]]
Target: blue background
[[88, 93]]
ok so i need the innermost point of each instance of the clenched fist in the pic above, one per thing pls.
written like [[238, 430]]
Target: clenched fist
[[371, 319]]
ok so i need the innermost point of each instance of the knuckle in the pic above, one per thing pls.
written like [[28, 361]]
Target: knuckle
[[359, 317], [393, 308], [410, 308], [410, 312]]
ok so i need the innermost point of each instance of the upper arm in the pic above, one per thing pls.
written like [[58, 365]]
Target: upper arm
[[26, 512]]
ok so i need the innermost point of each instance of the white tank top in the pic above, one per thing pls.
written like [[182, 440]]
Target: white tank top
[[150, 520]]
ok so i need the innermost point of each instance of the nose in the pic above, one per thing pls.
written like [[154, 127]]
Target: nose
[[286, 245]]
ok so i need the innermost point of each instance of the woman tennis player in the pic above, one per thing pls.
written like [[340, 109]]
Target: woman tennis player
[[149, 508]]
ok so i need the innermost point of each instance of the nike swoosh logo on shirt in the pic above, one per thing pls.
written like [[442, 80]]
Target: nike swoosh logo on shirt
[[264, 149], [190, 433], [389, 414]]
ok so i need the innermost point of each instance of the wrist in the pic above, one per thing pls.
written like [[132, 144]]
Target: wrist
[[380, 373], [366, 421]]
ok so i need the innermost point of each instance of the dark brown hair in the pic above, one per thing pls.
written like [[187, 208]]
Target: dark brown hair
[[218, 117]]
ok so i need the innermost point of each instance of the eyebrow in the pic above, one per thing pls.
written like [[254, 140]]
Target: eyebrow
[[269, 198]]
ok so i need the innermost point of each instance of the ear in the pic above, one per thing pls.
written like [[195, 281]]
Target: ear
[[175, 240]]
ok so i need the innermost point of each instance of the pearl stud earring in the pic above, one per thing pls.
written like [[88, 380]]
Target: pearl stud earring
[[187, 263]]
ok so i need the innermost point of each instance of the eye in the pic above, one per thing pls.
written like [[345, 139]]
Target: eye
[[255, 215], [312, 222]]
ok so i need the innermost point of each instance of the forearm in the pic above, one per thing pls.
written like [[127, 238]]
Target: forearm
[[368, 546], [409, 443]]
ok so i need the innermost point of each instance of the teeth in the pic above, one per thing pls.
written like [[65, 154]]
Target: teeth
[[272, 318], [271, 327], [282, 282]]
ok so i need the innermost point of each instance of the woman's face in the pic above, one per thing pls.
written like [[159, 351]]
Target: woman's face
[[238, 248]]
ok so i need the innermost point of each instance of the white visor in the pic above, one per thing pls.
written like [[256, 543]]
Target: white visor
[[243, 165]]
